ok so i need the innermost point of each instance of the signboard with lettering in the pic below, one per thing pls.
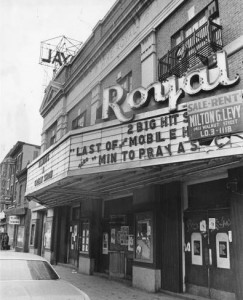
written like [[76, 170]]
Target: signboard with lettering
[[161, 137], [14, 220], [154, 138], [218, 115], [50, 168]]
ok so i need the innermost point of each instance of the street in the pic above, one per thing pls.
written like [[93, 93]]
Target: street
[[102, 288]]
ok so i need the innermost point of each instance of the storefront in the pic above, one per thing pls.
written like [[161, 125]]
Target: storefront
[[18, 224], [181, 223]]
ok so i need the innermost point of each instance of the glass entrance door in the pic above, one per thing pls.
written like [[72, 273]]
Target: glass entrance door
[[73, 244], [208, 252], [74, 236]]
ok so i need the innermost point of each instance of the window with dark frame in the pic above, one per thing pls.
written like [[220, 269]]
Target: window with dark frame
[[53, 137], [79, 122], [19, 162], [35, 154]]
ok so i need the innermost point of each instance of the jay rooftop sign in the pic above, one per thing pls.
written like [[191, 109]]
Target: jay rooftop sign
[[172, 90]]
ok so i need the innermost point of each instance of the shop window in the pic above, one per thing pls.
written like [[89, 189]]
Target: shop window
[[144, 237], [84, 238], [79, 122], [32, 235]]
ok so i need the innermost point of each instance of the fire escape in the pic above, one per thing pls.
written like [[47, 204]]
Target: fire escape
[[198, 48]]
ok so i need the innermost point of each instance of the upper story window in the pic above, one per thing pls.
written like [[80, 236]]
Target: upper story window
[[19, 162], [53, 137], [94, 112], [35, 154], [188, 30], [193, 44], [20, 193], [79, 122], [126, 82]]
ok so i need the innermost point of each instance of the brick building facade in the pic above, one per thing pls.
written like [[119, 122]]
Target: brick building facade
[[141, 164], [15, 212]]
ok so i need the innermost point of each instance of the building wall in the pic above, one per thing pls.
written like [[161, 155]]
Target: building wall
[[131, 63], [123, 39], [174, 23], [82, 107], [54, 114], [231, 19], [166, 268], [29, 154]]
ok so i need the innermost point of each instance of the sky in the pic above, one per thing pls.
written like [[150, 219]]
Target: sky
[[24, 24]]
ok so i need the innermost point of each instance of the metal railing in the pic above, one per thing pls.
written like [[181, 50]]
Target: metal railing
[[195, 49]]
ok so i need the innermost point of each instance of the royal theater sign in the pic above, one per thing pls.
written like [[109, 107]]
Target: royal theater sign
[[163, 136], [172, 90]]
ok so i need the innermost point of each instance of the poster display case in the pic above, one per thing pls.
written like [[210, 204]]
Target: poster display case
[[144, 237]]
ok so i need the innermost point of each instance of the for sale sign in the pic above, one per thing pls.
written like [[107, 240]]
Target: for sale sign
[[218, 115]]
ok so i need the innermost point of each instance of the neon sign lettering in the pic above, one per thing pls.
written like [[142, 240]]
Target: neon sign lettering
[[171, 90]]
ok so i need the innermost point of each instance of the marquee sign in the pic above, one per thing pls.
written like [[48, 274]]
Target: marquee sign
[[154, 140], [159, 137]]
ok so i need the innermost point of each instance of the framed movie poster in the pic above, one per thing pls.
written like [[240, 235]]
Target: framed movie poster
[[105, 243], [47, 233], [144, 237]]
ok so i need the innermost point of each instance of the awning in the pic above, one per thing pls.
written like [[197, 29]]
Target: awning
[[15, 211], [2, 215]]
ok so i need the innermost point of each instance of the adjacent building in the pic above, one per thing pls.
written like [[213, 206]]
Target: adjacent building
[[14, 211], [141, 170]]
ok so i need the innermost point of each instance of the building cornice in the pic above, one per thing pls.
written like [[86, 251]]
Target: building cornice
[[120, 28]]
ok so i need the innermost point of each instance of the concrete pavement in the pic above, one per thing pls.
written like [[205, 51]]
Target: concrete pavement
[[103, 288]]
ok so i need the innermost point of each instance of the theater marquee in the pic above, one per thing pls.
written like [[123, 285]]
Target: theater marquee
[[154, 140], [167, 135]]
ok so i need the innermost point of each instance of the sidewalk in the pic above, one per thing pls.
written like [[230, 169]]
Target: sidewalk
[[103, 288]]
